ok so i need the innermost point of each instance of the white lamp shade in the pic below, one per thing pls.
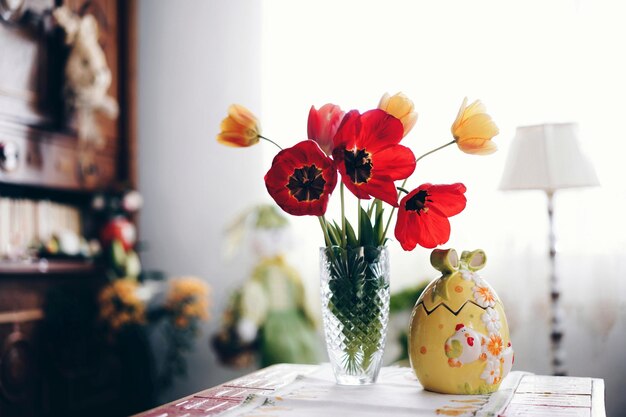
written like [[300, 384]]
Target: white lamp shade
[[547, 157]]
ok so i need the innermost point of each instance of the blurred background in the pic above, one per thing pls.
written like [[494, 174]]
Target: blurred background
[[158, 234]]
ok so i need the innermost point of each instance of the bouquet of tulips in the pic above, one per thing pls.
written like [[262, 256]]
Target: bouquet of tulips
[[364, 150]]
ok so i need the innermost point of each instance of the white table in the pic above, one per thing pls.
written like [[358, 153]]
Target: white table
[[309, 390]]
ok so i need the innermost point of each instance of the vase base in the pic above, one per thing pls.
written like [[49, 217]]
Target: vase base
[[357, 377], [353, 380]]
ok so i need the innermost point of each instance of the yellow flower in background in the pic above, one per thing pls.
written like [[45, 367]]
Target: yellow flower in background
[[473, 129], [240, 128], [188, 298], [120, 305], [400, 107]]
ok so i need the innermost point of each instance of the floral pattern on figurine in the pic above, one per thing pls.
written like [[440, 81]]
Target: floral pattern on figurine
[[491, 318], [491, 374], [484, 297]]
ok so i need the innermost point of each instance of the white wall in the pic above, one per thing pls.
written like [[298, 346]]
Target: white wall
[[195, 58]]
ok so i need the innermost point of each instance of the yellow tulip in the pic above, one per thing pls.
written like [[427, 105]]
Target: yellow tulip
[[240, 128], [473, 129], [400, 107]]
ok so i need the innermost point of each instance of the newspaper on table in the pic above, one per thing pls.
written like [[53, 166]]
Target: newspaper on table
[[308, 390]]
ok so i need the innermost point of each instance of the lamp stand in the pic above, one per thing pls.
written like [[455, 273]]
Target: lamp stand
[[556, 312]]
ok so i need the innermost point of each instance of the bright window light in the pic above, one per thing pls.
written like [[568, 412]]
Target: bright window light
[[530, 62]]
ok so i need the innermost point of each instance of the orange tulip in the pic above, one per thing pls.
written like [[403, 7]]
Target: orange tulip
[[400, 107], [240, 129], [473, 129]]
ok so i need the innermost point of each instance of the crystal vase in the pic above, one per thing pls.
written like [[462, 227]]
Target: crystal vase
[[355, 310]]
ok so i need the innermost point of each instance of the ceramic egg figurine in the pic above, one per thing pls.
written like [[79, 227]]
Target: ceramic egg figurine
[[459, 338]]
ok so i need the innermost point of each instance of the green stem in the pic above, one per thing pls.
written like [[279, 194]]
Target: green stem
[[271, 141], [433, 151], [358, 210], [393, 210], [343, 218], [324, 230]]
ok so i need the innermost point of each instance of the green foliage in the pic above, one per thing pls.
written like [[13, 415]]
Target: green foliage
[[405, 299], [366, 236], [352, 240], [371, 229]]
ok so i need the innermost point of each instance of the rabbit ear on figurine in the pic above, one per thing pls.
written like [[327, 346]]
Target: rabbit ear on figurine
[[445, 260], [459, 337], [474, 260]]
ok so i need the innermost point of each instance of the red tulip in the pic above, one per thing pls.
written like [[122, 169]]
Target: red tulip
[[423, 215], [369, 157], [301, 179]]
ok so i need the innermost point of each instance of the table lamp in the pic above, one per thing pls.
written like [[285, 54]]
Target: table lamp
[[547, 157]]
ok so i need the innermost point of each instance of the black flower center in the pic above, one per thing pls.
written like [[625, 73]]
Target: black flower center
[[358, 165], [306, 183], [418, 202]]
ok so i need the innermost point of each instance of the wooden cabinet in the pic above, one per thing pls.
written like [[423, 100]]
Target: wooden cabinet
[[53, 362], [34, 118], [53, 358]]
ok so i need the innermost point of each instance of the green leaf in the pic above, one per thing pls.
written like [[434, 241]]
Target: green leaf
[[370, 207], [379, 206], [378, 227], [351, 236], [339, 233], [367, 237], [334, 234]]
